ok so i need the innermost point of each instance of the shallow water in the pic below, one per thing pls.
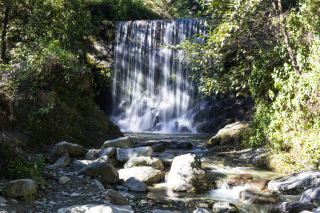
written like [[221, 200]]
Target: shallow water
[[220, 168]]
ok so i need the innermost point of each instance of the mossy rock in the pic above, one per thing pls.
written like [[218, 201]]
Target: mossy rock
[[236, 134]]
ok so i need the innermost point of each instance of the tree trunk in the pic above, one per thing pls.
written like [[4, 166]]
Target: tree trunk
[[287, 41], [4, 33]]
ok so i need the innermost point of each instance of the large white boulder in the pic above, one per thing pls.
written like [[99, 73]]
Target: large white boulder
[[124, 155], [294, 184], [92, 208], [145, 174], [186, 174]]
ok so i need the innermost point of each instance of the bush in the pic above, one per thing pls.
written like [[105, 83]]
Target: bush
[[16, 166]]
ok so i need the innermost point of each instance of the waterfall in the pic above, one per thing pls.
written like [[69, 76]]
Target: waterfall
[[152, 90]]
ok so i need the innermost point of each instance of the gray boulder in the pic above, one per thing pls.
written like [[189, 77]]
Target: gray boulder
[[225, 207], [79, 164], [102, 166], [159, 147], [63, 161], [115, 198], [294, 184], [311, 195], [256, 196], [73, 149], [123, 155], [122, 143], [145, 174], [111, 151], [285, 207], [135, 185], [261, 185], [144, 161], [21, 188], [93, 154], [186, 174]]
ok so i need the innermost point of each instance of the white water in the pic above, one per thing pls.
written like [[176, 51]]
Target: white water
[[152, 91]]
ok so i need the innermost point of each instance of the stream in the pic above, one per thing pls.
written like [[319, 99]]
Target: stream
[[220, 166]]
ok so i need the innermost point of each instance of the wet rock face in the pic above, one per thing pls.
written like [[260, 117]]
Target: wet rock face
[[145, 174], [294, 184], [72, 149], [186, 174], [21, 188], [240, 180], [256, 196], [292, 207]]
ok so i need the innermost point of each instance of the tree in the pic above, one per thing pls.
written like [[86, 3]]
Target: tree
[[4, 33]]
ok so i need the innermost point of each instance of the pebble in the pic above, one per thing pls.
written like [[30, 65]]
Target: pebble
[[74, 194], [63, 180], [52, 203]]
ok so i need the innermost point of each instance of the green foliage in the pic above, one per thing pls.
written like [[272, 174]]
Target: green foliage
[[17, 166], [244, 50]]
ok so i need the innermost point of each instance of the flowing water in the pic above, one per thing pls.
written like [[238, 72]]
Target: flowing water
[[220, 168], [152, 91]]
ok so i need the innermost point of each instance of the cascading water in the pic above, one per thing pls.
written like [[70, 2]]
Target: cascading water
[[152, 90]]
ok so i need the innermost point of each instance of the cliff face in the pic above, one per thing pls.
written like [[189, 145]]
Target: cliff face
[[64, 112]]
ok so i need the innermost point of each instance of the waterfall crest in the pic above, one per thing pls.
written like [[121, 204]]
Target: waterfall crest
[[152, 90]]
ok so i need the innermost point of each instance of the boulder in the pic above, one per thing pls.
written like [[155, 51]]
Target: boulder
[[21, 188], [122, 143], [115, 198], [135, 185], [294, 184], [186, 174], [159, 147], [144, 161], [93, 154], [79, 164], [3, 201], [240, 180], [102, 166], [111, 151], [261, 185], [145, 174], [202, 210], [230, 133], [285, 207], [225, 207], [123, 155], [256, 196], [92, 208], [311, 195], [73, 149], [63, 161], [162, 211]]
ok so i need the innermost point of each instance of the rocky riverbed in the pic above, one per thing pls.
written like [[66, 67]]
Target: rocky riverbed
[[159, 173]]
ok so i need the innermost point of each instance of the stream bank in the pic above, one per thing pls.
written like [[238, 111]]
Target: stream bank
[[53, 194]]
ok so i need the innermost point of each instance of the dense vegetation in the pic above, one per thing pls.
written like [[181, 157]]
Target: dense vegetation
[[269, 49]]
